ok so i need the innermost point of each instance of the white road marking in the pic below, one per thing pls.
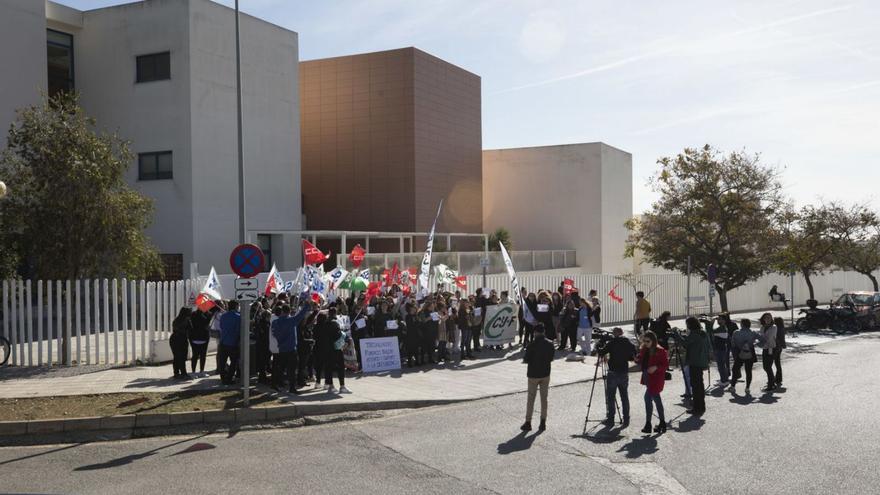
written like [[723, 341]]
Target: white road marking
[[649, 477]]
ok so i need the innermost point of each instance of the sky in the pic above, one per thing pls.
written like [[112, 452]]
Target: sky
[[797, 81]]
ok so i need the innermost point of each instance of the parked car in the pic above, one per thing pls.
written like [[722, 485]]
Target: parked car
[[866, 306]]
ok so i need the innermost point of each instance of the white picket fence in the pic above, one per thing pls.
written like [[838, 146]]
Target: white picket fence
[[88, 321]]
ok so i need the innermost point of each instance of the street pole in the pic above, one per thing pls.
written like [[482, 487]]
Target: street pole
[[485, 257], [245, 343], [791, 277], [688, 299]]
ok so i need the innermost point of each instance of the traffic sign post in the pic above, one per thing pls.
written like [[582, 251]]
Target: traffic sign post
[[246, 261], [712, 276]]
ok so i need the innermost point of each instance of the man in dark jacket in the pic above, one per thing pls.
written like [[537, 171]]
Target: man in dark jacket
[[620, 352], [697, 347], [228, 351], [539, 355], [285, 337]]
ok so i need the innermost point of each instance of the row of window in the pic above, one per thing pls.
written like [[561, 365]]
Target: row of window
[[59, 52]]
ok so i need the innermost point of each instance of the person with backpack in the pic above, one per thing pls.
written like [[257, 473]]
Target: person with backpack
[[743, 344]]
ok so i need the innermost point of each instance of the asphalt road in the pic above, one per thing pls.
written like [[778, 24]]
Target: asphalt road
[[819, 435]]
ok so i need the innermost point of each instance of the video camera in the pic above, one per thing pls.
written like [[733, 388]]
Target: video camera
[[602, 337]]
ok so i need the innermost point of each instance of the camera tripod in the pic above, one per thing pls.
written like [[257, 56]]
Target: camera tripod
[[593, 390]]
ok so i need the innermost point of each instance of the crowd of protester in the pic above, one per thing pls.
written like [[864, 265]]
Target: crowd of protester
[[300, 341]]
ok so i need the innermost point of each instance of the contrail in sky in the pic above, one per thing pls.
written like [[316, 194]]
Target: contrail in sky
[[635, 58]]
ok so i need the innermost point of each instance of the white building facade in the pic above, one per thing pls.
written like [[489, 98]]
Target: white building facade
[[572, 196], [161, 73]]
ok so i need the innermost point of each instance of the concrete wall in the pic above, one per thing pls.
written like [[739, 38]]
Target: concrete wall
[[448, 146], [358, 145], [616, 207], [386, 135], [270, 114], [22, 56], [560, 197], [153, 116]]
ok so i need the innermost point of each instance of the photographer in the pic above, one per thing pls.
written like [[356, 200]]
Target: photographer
[[661, 328], [697, 346], [618, 351]]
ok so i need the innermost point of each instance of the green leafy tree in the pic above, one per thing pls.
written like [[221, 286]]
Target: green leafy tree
[[69, 213], [810, 239], [861, 253], [501, 235], [713, 208]]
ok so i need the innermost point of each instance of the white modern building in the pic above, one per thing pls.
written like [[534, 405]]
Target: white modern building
[[162, 74], [572, 196]]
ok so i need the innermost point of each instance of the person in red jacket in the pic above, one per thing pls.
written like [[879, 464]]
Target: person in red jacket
[[654, 361]]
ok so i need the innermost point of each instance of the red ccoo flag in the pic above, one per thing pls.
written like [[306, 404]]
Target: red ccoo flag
[[461, 282], [392, 276], [357, 255], [373, 290], [613, 295], [313, 255], [568, 286]]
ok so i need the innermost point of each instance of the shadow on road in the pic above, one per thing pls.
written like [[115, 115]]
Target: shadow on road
[[637, 447], [693, 423], [126, 460], [10, 461], [518, 443], [603, 435]]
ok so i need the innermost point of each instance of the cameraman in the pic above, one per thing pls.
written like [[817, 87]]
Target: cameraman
[[619, 351]]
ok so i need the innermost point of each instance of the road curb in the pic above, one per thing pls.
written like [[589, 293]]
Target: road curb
[[135, 425]]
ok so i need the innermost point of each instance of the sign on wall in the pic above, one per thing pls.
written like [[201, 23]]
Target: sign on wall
[[380, 354], [499, 327]]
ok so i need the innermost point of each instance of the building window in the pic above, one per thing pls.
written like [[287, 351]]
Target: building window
[[155, 166], [264, 242], [59, 51], [172, 268], [154, 67]]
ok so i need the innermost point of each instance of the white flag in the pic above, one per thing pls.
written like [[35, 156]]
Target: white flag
[[444, 274], [514, 281], [426, 260], [212, 286], [336, 276], [274, 283]]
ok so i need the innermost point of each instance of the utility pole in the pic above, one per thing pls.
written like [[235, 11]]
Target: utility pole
[[245, 343]]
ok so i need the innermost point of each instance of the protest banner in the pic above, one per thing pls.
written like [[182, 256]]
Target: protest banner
[[380, 354], [499, 327]]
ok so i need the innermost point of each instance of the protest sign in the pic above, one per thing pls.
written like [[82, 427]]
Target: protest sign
[[380, 354], [499, 327]]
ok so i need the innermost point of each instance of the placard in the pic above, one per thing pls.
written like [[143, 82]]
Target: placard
[[435, 316], [380, 354], [500, 324], [391, 324], [360, 323], [543, 308], [371, 310], [478, 311]]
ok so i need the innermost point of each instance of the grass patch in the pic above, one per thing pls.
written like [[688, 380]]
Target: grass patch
[[79, 406]]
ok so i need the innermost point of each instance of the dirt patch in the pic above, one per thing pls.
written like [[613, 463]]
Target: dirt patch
[[79, 406]]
